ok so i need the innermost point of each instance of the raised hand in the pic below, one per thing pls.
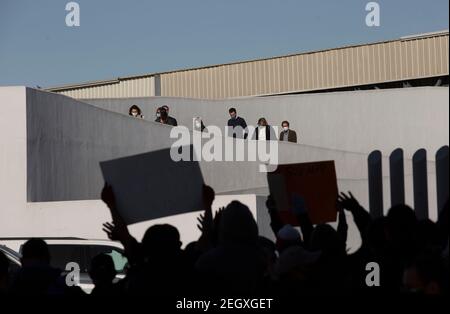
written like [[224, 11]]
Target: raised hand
[[116, 231], [107, 196], [208, 196], [109, 199], [347, 201], [206, 220], [202, 225], [110, 230]]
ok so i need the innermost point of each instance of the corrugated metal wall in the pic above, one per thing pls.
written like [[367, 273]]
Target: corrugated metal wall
[[335, 68], [403, 59], [137, 87]]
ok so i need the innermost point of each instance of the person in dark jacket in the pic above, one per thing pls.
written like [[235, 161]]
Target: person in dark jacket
[[171, 120], [164, 118], [237, 263], [287, 135], [235, 122], [37, 276], [102, 273]]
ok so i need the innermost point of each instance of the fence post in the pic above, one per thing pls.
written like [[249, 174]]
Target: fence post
[[442, 177], [420, 184], [374, 162], [397, 177]]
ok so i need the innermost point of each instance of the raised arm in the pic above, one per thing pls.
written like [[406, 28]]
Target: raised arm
[[117, 230], [360, 215], [205, 221], [303, 219], [275, 222]]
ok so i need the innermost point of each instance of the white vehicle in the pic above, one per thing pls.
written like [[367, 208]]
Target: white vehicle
[[76, 250]]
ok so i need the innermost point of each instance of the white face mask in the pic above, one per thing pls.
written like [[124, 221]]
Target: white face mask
[[198, 124], [134, 113], [285, 128], [158, 115]]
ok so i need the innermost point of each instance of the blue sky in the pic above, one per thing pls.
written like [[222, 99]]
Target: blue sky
[[120, 38]]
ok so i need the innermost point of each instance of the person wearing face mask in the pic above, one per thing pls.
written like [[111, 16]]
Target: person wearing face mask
[[287, 135], [163, 117], [198, 124], [135, 111], [158, 114], [236, 121], [171, 120]]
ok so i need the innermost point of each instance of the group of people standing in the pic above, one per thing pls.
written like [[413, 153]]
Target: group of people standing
[[162, 115], [263, 131]]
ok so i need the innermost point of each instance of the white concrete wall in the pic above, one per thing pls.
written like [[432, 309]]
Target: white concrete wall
[[357, 121], [51, 146], [13, 161]]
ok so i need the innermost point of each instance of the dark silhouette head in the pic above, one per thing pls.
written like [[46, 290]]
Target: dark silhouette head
[[324, 238], [401, 224], [102, 271], [35, 251], [288, 236], [161, 240], [191, 253], [237, 225]]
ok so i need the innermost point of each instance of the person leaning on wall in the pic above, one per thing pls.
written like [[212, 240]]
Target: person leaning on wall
[[136, 112], [287, 135]]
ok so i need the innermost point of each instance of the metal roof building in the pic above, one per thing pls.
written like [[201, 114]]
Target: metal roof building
[[409, 61]]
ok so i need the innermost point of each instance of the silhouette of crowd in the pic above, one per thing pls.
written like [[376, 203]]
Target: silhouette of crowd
[[231, 258]]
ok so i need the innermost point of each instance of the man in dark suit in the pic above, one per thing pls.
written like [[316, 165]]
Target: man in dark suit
[[236, 121], [287, 134]]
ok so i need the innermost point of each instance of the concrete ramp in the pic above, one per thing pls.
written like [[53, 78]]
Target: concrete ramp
[[354, 121], [51, 146]]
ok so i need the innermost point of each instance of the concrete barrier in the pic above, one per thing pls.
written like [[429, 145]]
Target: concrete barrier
[[51, 146]]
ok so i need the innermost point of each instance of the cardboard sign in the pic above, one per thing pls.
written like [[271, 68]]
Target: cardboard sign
[[310, 187], [152, 185]]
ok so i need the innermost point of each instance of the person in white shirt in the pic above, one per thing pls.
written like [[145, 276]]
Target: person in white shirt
[[263, 130]]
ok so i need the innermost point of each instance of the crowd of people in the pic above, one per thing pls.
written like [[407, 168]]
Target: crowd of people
[[238, 125], [231, 258]]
